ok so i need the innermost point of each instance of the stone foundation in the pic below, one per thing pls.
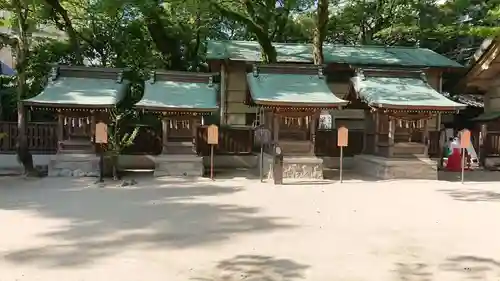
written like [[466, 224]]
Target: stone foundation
[[178, 165], [492, 163], [306, 167], [73, 165], [396, 168]]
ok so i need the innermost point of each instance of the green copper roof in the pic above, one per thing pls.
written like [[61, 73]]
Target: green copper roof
[[171, 95], [356, 55], [404, 93], [292, 89], [80, 92], [487, 116]]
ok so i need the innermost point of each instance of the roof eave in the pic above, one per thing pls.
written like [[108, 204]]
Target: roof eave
[[416, 107], [171, 109], [299, 104], [68, 105]]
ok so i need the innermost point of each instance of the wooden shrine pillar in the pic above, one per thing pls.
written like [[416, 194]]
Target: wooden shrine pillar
[[367, 126], [425, 137], [377, 130], [92, 124], [60, 129], [313, 126], [164, 134], [195, 123], [483, 133], [276, 127], [390, 136]]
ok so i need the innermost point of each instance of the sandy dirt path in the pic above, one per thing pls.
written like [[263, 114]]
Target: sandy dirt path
[[235, 229]]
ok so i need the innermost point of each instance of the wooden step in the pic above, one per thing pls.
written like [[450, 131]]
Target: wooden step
[[180, 148]]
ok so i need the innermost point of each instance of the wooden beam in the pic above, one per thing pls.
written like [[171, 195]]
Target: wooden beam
[[377, 129], [390, 135], [485, 61], [164, 133]]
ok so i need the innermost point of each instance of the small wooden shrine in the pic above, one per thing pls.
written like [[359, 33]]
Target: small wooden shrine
[[180, 99], [291, 98], [483, 79], [400, 104], [80, 96]]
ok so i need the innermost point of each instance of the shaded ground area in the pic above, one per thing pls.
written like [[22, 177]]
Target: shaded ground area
[[239, 229]]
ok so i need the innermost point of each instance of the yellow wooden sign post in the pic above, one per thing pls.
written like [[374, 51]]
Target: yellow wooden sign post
[[212, 140], [342, 140], [464, 144], [101, 137], [101, 133]]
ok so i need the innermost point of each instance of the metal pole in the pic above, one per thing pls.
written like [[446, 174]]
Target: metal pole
[[463, 164], [212, 162], [261, 161], [341, 161], [101, 163]]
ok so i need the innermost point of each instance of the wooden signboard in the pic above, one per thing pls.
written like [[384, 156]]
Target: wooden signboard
[[101, 133], [342, 134], [213, 134], [465, 138]]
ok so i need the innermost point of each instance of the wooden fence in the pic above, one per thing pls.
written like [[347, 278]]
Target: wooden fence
[[41, 136], [232, 141], [42, 139], [492, 144], [326, 143]]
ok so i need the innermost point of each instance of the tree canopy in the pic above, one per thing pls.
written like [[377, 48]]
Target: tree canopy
[[172, 34]]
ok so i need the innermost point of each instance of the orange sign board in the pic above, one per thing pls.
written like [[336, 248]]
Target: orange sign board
[[213, 134], [464, 138], [342, 134], [101, 133]]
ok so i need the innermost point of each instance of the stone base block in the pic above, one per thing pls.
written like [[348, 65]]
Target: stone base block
[[396, 168], [492, 163], [178, 166], [306, 167], [74, 165]]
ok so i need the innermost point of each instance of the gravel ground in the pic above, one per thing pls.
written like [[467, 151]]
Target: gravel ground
[[239, 229]]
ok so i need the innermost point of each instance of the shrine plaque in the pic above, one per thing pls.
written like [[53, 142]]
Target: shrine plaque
[[464, 138], [342, 134], [101, 132], [213, 134]]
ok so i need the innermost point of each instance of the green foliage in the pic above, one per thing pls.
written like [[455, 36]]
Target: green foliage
[[147, 34], [118, 137]]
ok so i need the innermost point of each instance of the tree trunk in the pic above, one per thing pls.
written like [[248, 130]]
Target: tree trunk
[[269, 54], [68, 27], [114, 165], [320, 31], [22, 50], [167, 43]]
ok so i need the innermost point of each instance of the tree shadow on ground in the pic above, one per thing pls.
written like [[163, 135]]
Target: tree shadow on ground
[[102, 222], [472, 267], [472, 195], [256, 268], [478, 175], [413, 272]]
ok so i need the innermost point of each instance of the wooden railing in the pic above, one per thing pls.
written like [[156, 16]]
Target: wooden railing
[[41, 136], [232, 141], [326, 143], [492, 144]]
